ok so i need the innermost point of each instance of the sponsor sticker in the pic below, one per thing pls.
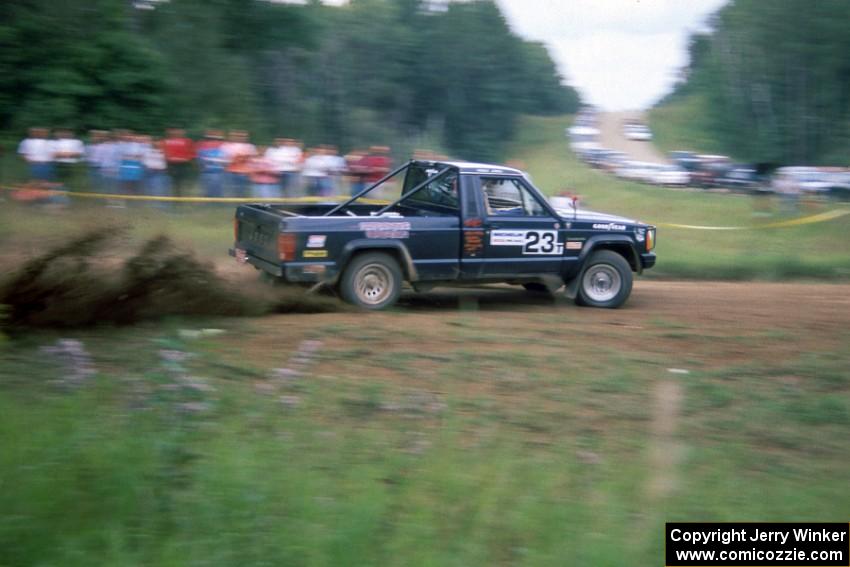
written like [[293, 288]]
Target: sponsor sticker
[[507, 238], [315, 254], [385, 229], [609, 226], [316, 241], [544, 242]]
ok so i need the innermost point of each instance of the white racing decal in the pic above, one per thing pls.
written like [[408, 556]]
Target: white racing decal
[[385, 229], [609, 226], [543, 242], [316, 241], [507, 238]]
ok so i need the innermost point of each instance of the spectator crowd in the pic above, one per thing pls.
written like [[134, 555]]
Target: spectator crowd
[[121, 162]]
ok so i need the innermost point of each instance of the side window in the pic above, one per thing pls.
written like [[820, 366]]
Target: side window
[[440, 197], [507, 196]]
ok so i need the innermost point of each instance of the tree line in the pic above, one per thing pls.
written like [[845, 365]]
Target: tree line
[[410, 73], [776, 79]]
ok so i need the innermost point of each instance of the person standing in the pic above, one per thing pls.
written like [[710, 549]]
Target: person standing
[[67, 153], [37, 151], [157, 181], [264, 178], [179, 153], [131, 171], [94, 158], [212, 161], [286, 157], [377, 163], [238, 151], [110, 161], [316, 172], [356, 171], [336, 166]]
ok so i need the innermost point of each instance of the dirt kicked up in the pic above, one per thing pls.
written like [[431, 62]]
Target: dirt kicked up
[[77, 284]]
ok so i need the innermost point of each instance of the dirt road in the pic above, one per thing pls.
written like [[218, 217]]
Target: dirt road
[[715, 323], [611, 136]]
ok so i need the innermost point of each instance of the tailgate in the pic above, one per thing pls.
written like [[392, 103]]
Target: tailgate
[[256, 232]]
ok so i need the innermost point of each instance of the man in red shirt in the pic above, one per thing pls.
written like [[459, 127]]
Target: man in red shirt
[[376, 163], [179, 153]]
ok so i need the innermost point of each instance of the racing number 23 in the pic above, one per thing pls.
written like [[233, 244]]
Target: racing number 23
[[541, 242]]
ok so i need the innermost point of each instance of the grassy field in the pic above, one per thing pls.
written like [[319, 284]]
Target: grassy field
[[443, 437], [679, 125]]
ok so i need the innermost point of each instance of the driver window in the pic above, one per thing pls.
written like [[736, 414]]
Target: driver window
[[507, 196], [440, 197]]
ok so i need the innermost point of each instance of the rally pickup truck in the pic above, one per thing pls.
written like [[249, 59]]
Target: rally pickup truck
[[446, 223]]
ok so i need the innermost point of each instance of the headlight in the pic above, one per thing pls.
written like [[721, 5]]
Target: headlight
[[650, 239]]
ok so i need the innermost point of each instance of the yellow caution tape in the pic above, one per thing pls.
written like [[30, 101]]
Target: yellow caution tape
[[820, 217], [121, 197]]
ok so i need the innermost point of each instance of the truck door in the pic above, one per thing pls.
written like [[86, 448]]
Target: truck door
[[432, 222], [521, 235]]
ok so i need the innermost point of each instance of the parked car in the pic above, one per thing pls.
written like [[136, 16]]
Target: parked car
[[670, 176], [637, 132], [742, 177], [840, 185], [802, 179], [709, 169], [684, 159]]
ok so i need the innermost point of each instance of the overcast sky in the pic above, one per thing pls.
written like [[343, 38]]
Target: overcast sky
[[619, 54]]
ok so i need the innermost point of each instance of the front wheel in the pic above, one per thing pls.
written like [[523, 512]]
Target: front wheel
[[606, 281], [372, 281]]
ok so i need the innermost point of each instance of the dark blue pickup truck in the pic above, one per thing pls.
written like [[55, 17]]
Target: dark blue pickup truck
[[432, 223]]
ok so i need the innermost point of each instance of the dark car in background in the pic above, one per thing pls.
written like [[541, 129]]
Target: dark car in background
[[740, 177]]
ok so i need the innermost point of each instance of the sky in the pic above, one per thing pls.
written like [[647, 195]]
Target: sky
[[619, 54]]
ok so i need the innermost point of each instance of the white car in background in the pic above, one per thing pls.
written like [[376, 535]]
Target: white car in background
[[637, 132], [636, 171], [670, 176]]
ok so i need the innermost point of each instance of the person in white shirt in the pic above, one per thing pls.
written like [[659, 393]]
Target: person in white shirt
[[157, 181], [67, 153], [336, 166], [37, 151], [286, 156], [316, 172]]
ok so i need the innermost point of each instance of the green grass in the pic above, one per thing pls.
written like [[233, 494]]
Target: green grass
[[815, 251], [518, 463], [681, 124]]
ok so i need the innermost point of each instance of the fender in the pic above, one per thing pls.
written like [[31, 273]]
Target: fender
[[600, 241], [379, 244]]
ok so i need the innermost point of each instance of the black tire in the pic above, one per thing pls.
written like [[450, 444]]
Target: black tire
[[371, 281], [605, 281]]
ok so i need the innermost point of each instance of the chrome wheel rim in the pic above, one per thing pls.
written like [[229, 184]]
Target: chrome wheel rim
[[601, 283], [373, 284]]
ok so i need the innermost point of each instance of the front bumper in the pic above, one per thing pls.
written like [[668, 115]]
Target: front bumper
[[647, 260]]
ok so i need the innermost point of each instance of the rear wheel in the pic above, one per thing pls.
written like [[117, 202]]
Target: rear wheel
[[606, 281], [372, 281]]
